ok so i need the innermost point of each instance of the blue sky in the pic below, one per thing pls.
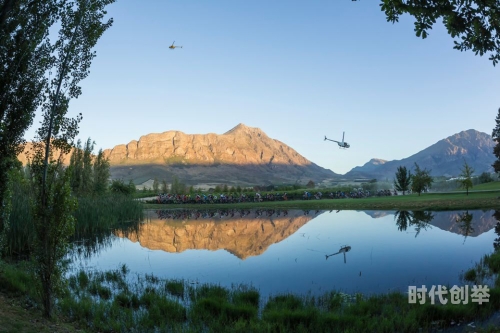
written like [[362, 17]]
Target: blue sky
[[298, 70]]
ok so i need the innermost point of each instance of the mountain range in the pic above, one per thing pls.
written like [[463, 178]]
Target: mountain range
[[444, 158], [247, 156]]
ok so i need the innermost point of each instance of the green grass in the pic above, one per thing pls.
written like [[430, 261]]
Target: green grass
[[491, 186], [112, 301], [426, 201]]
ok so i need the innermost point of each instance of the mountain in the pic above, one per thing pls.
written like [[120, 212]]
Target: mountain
[[444, 158], [242, 155]]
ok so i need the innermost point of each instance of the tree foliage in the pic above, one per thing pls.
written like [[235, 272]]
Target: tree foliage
[[485, 177], [496, 137], [156, 185], [164, 186], [100, 173], [118, 186], [25, 58], [474, 24], [89, 173], [465, 177], [421, 180], [403, 179], [70, 60]]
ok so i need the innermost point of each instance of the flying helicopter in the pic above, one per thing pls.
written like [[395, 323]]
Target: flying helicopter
[[341, 144], [174, 46]]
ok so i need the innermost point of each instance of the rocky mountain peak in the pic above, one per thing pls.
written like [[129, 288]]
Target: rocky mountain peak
[[244, 152]]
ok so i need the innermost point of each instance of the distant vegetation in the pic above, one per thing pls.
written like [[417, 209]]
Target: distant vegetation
[[101, 206]]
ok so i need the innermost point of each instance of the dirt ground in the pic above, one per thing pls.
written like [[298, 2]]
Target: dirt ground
[[14, 318]]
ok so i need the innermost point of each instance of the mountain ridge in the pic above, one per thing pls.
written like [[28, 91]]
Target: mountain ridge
[[243, 153], [444, 158]]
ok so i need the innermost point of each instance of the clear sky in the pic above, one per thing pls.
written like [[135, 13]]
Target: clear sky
[[298, 70]]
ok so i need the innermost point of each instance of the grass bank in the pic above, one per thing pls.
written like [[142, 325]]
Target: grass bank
[[426, 201], [113, 301]]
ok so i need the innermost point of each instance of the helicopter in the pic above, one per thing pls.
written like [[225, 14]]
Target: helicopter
[[341, 144], [174, 46]]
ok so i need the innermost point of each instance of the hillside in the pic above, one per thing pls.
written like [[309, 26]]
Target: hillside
[[242, 155], [444, 158]]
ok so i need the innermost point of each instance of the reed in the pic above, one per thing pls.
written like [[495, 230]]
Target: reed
[[112, 301], [96, 217]]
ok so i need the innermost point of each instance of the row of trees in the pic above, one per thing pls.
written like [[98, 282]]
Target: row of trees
[[422, 180], [89, 174], [417, 182]]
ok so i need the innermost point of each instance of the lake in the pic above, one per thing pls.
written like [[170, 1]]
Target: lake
[[302, 252]]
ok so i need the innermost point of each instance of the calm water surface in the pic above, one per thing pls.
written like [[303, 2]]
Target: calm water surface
[[286, 251]]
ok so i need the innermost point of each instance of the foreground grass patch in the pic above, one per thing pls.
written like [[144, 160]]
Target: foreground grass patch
[[114, 301]]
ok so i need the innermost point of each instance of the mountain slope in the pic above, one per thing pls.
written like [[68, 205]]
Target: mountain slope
[[444, 158], [243, 154]]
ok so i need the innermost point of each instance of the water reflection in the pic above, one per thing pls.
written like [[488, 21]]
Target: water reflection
[[250, 232], [496, 242], [344, 249], [285, 250], [419, 219], [465, 222], [243, 233], [88, 242]]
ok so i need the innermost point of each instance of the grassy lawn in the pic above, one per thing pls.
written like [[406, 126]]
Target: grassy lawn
[[491, 186], [426, 201]]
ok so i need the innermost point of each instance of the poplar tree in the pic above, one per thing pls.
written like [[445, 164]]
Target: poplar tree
[[465, 177], [101, 173], [76, 167], [25, 58], [80, 29], [87, 184]]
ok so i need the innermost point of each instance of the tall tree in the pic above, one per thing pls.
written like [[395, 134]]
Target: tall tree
[[465, 177], [474, 23], [164, 186], [76, 167], [496, 138], [156, 185], [403, 179], [87, 184], [25, 57], [80, 29], [101, 173], [421, 180]]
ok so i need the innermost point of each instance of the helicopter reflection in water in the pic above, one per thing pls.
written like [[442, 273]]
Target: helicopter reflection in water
[[343, 249]]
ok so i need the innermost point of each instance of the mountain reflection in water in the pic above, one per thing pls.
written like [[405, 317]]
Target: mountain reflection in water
[[249, 232], [284, 251], [243, 233]]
